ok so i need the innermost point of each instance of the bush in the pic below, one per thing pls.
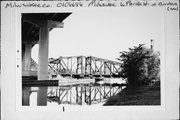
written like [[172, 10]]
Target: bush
[[139, 66]]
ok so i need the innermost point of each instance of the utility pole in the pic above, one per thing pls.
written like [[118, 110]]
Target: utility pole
[[152, 44]]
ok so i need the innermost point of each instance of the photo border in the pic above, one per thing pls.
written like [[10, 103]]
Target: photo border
[[18, 102]]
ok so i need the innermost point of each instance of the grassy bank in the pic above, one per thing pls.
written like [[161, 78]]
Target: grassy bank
[[145, 95]]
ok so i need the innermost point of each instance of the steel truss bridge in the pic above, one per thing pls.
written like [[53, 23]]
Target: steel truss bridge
[[81, 66]]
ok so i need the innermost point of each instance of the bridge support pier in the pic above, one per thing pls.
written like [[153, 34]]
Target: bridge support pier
[[26, 57], [43, 63], [26, 62]]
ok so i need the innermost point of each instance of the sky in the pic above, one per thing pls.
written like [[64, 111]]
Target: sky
[[104, 32]]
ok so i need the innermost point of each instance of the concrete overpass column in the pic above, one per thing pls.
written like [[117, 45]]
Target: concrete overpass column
[[26, 67], [43, 63], [27, 57]]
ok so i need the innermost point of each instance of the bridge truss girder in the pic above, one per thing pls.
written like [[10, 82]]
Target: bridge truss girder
[[84, 66]]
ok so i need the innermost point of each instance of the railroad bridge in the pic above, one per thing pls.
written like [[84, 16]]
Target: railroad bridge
[[82, 66], [55, 79]]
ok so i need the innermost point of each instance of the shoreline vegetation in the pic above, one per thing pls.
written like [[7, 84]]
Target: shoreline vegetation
[[141, 69], [145, 95]]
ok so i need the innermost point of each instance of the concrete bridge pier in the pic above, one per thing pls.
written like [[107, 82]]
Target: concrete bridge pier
[[27, 57], [26, 68], [43, 62]]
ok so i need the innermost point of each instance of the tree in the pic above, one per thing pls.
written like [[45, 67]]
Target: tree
[[139, 66]]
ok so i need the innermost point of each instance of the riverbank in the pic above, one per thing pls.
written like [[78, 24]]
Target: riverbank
[[145, 95]]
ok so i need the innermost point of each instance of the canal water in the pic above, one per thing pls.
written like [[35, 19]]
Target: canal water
[[71, 95]]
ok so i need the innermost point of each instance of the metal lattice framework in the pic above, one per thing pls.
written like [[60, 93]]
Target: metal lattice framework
[[81, 66]]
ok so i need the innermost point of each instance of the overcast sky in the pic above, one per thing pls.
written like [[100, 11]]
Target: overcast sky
[[105, 32]]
